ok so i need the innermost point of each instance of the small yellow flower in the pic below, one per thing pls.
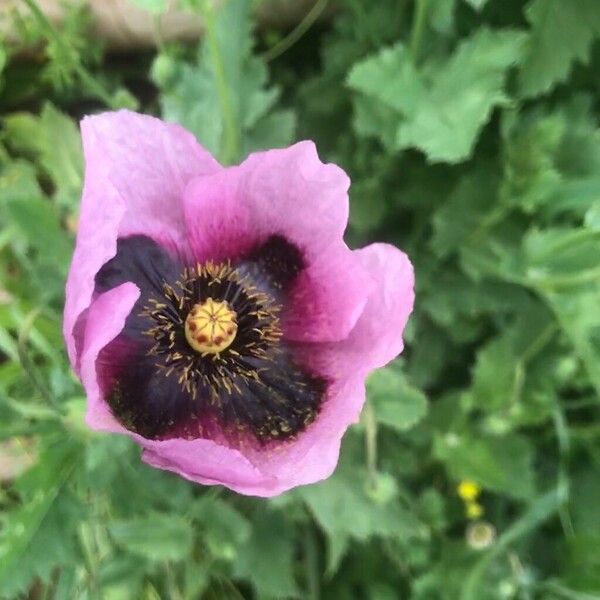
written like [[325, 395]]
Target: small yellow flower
[[474, 510], [468, 490]]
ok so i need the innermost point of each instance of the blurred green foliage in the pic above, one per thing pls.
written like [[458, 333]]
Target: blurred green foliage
[[470, 130]]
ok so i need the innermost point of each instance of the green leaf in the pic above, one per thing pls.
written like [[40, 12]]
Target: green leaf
[[531, 175], [375, 119], [225, 529], [62, 162], [562, 32], [391, 77], [223, 97], [274, 130], [18, 182], [441, 108], [397, 404], [39, 225], [503, 464], [582, 572], [592, 216], [579, 317], [461, 95], [510, 379], [562, 257], [38, 535], [343, 506], [552, 159], [159, 536], [266, 559], [458, 220]]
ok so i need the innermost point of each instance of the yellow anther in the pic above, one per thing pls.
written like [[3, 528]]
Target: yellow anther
[[468, 490], [210, 326]]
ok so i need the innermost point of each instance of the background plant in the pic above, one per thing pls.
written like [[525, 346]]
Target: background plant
[[470, 130]]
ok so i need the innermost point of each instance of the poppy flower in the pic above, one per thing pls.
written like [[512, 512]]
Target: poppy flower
[[215, 314]]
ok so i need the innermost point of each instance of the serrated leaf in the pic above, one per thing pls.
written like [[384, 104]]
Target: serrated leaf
[[441, 107], [391, 77], [461, 95], [155, 537], [562, 32], [397, 404]]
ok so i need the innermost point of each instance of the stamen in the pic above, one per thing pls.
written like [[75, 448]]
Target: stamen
[[216, 351], [210, 326]]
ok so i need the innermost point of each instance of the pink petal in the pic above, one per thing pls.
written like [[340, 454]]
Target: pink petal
[[311, 458], [105, 320], [136, 170], [203, 461], [291, 193], [377, 337]]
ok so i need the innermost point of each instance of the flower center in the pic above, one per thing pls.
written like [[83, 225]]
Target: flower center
[[210, 326]]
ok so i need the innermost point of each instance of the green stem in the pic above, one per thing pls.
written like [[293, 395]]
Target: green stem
[[27, 363], [232, 145], [587, 276], [418, 26], [539, 343], [370, 423], [312, 564], [88, 81], [562, 435], [289, 40]]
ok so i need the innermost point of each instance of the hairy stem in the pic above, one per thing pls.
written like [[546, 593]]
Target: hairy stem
[[231, 147]]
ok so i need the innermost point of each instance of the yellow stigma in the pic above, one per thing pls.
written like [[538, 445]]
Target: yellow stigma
[[210, 326]]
